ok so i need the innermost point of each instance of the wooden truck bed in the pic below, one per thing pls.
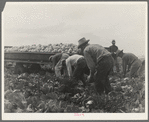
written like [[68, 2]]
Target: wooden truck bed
[[27, 57]]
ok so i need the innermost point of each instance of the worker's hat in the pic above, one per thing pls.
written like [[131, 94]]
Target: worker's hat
[[82, 41]]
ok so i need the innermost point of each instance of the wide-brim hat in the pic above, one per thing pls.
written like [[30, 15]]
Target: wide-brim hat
[[82, 41], [118, 52]]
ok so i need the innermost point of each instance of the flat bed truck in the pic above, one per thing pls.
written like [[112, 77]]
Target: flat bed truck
[[23, 60]]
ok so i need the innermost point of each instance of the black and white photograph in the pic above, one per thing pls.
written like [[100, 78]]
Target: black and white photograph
[[74, 61]]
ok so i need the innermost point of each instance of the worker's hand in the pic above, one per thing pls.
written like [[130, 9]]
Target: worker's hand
[[90, 79]]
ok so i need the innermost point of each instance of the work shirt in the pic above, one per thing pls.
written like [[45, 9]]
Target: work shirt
[[59, 66], [128, 59], [113, 48], [72, 61], [64, 56], [92, 54], [56, 59]]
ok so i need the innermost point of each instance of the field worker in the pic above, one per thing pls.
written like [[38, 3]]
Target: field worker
[[130, 60], [100, 63], [113, 48], [57, 63], [78, 63], [55, 59]]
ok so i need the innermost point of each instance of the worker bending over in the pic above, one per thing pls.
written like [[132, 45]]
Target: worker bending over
[[57, 63], [100, 63], [130, 60], [78, 63]]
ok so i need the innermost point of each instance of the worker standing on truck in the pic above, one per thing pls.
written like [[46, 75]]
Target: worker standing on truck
[[57, 63], [113, 50], [130, 60], [100, 63], [76, 66]]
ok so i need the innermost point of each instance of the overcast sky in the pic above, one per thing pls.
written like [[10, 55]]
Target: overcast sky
[[27, 23]]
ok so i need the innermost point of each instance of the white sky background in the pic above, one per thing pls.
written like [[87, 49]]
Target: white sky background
[[27, 23]]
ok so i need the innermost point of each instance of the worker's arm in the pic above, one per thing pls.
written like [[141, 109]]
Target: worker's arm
[[69, 68], [90, 63], [124, 67], [128, 68], [53, 62]]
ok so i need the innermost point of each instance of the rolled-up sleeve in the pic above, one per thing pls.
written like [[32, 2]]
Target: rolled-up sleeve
[[90, 62]]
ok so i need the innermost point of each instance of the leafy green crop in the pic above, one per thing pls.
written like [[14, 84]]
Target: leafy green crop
[[35, 93]]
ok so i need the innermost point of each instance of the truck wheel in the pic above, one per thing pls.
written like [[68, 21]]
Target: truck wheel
[[19, 68]]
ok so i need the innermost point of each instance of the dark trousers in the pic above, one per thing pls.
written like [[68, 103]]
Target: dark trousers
[[79, 69], [103, 69]]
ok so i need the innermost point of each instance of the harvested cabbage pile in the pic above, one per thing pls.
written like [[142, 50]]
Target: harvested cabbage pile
[[67, 48]]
